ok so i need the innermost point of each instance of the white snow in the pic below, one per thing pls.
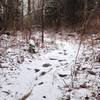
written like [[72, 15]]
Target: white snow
[[31, 42], [17, 79]]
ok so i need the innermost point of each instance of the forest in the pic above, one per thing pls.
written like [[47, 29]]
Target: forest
[[49, 49], [28, 14]]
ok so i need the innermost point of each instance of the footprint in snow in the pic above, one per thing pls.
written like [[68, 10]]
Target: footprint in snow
[[44, 97], [62, 75], [62, 60], [41, 83], [30, 61], [52, 58], [46, 65], [60, 53], [29, 68], [42, 73], [6, 92], [37, 70]]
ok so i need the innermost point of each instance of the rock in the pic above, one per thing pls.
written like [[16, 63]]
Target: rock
[[46, 65]]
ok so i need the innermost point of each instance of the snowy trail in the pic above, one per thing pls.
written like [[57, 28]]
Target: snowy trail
[[44, 73], [47, 78], [44, 79]]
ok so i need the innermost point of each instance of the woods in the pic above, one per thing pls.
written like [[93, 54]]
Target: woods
[[49, 49], [18, 15]]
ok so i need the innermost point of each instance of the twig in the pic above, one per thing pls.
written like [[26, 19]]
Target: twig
[[73, 71], [26, 95]]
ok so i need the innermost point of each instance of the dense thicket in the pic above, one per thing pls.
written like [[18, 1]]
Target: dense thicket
[[68, 12], [9, 13], [74, 11], [13, 13]]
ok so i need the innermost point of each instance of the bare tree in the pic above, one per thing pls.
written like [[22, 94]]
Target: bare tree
[[42, 21]]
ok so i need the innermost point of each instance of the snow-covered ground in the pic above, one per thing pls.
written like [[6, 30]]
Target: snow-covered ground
[[46, 75]]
